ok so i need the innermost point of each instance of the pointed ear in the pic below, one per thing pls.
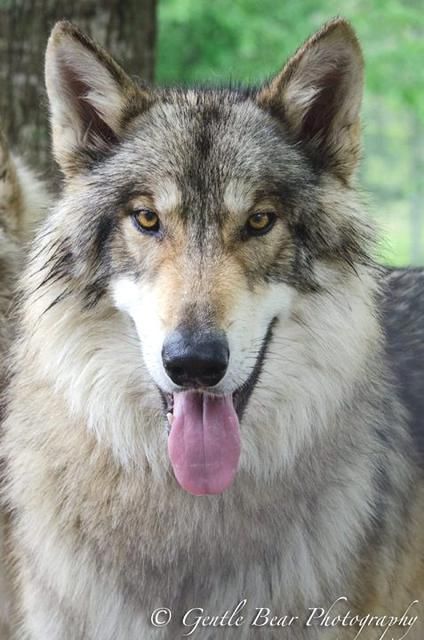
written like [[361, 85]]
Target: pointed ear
[[91, 98], [318, 95]]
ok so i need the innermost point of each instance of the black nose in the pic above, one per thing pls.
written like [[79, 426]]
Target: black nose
[[195, 358]]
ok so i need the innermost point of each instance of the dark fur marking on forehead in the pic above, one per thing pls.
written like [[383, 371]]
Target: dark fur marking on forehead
[[204, 143]]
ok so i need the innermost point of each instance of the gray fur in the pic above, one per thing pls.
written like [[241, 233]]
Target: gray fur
[[23, 201], [327, 501]]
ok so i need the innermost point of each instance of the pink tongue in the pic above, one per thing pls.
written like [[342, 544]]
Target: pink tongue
[[204, 443]]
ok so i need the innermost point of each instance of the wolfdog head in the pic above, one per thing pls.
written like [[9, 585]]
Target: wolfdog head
[[209, 216]]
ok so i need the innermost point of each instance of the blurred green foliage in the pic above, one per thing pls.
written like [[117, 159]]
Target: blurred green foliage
[[246, 40]]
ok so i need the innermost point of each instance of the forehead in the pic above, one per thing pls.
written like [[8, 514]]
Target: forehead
[[208, 145]]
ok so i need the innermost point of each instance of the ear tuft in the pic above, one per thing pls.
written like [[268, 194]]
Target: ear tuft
[[91, 98], [318, 96]]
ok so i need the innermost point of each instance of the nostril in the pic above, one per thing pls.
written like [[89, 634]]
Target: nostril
[[194, 359], [214, 368], [176, 371]]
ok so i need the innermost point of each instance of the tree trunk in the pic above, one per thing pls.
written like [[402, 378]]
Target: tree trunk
[[127, 28]]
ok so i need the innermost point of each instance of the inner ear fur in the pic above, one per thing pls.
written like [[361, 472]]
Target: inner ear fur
[[91, 98], [318, 96]]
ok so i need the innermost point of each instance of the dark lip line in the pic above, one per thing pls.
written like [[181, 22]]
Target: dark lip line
[[242, 394]]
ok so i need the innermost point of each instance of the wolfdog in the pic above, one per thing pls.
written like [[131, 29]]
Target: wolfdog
[[213, 419], [23, 200]]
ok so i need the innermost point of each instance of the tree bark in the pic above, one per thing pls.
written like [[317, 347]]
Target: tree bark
[[127, 28]]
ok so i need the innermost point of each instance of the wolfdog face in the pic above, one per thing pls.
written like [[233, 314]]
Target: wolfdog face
[[205, 214]]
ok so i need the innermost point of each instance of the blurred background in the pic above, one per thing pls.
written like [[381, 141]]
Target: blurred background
[[183, 41]]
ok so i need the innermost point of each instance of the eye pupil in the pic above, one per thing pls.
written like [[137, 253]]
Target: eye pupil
[[259, 218]]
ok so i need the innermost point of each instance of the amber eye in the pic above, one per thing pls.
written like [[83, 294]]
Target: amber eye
[[259, 223], [146, 220]]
